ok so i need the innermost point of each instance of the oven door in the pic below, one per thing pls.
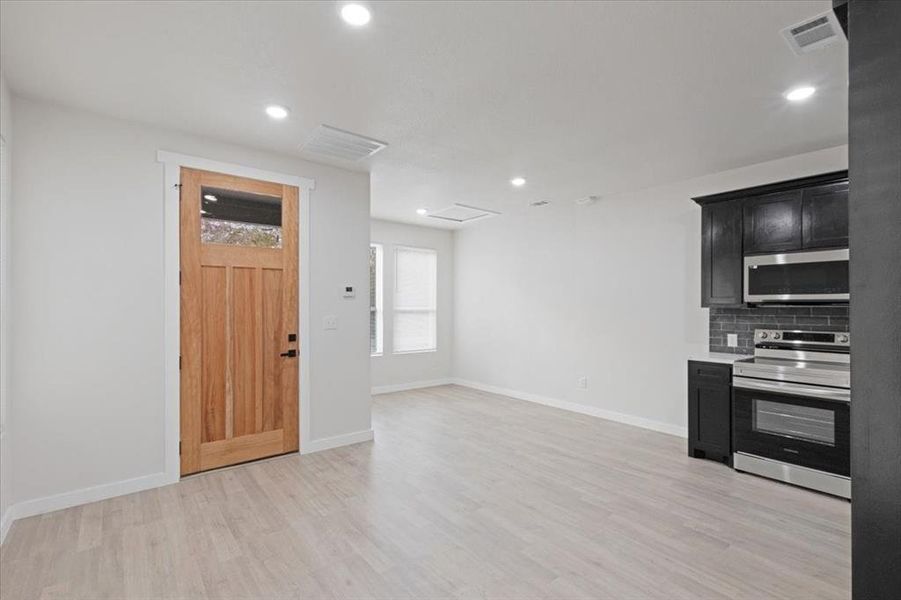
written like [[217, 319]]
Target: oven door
[[793, 423], [820, 276]]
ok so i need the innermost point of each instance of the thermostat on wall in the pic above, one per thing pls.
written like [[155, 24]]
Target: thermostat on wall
[[349, 291]]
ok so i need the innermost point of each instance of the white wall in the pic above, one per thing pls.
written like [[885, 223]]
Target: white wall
[[6, 467], [609, 291], [88, 276], [393, 371]]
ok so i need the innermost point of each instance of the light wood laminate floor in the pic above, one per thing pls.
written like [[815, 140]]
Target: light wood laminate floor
[[463, 494]]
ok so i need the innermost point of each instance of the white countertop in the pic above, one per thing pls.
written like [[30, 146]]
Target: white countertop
[[717, 357]]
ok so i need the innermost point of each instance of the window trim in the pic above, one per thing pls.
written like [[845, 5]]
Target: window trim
[[5, 229], [396, 310], [379, 307]]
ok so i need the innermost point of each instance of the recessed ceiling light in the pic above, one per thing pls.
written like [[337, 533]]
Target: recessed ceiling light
[[518, 181], [800, 93], [210, 197], [355, 14], [421, 211], [277, 112]]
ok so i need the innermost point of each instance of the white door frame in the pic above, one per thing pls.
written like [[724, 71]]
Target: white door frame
[[172, 297]]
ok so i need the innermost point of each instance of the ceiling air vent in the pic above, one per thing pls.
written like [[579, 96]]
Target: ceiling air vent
[[813, 34], [540, 203], [461, 213], [586, 200], [332, 142]]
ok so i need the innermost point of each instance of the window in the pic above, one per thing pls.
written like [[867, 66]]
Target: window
[[240, 218], [375, 299], [415, 299]]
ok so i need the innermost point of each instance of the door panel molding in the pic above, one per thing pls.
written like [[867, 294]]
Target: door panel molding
[[221, 453]]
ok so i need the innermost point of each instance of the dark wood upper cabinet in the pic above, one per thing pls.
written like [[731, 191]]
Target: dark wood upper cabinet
[[772, 223], [825, 216], [721, 256], [801, 214]]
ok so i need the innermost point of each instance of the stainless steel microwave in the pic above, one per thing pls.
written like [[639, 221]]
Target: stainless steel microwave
[[797, 277]]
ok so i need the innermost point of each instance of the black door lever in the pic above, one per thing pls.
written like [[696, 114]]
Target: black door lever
[[289, 353]]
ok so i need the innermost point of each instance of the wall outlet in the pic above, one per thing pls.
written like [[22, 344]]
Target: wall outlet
[[732, 340], [330, 322], [582, 383]]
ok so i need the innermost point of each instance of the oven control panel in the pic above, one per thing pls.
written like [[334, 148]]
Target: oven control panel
[[800, 338]]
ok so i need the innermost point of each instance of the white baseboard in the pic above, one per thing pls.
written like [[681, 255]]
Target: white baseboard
[[39, 506], [579, 408], [367, 435], [129, 486], [413, 385], [6, 522]]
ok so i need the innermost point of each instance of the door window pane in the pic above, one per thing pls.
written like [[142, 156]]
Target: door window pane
[[795, 421], [240, 218]]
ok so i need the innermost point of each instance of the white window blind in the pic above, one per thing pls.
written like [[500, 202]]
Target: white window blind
[[415, 299], [375, 299]]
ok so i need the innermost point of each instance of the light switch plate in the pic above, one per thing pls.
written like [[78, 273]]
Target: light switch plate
[[330, 322], [732, 340], [582, 383]]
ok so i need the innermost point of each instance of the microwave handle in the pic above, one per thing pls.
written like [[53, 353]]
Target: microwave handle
[[792, 389]]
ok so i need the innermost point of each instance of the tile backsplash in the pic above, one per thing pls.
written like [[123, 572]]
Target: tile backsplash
[[744, 321]]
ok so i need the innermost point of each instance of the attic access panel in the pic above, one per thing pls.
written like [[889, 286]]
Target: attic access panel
[[462, 213]]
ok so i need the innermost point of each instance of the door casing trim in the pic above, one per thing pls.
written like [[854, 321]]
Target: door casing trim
[[173, 162]]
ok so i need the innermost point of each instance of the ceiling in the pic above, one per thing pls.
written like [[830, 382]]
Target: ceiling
[[579, 98]]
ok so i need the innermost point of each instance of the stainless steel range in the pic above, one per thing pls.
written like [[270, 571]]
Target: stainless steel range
[[791, 409]]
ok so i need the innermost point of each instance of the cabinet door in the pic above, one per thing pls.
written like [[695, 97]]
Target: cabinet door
[[713, 417], [721, 259], [709, 410], [772, 223], [825, 216]]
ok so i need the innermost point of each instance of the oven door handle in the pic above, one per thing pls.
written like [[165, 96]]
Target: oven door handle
[[793, 389]]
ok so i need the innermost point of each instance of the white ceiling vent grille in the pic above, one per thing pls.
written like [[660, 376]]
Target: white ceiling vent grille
[[587, 200], [332, 142], [813, 34], [461, 213]]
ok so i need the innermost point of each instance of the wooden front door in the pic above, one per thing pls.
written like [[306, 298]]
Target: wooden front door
[[239, 357]]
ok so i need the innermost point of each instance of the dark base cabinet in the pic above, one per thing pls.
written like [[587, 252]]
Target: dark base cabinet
[[710, 411]]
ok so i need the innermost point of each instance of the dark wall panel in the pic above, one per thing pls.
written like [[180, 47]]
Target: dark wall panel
[[875, 228]]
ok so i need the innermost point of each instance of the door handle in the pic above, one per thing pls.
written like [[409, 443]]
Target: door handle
[[289, 353], [792, 389]]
